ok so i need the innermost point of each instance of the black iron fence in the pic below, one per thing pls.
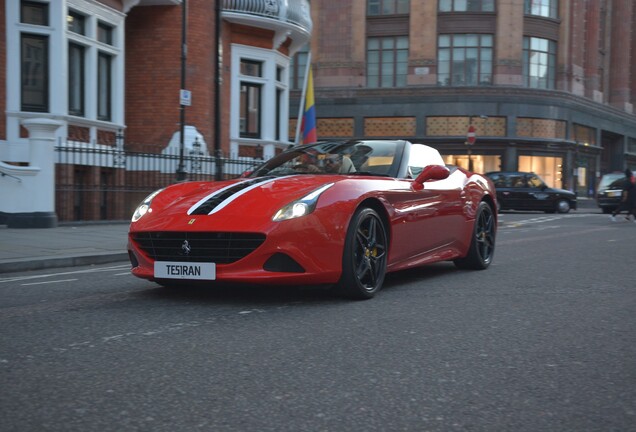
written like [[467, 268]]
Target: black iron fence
[[100, 182]]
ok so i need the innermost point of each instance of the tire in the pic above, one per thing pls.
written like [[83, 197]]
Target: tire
[[563, 206], [482, 244], [365, 256]]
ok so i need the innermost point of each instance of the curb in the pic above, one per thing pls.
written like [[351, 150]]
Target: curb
[[26, 264]]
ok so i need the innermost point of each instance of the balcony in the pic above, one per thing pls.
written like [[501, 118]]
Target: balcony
[[286, 18]]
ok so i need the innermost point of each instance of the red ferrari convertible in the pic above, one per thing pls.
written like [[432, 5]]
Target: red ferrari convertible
[[341, 213]]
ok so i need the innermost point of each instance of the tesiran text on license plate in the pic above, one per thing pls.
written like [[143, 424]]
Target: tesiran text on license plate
[[185, 270]]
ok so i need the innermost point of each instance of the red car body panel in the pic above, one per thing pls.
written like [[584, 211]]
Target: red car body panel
[[432, 224]]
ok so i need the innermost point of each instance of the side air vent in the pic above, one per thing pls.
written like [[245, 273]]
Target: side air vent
[[280, 262]]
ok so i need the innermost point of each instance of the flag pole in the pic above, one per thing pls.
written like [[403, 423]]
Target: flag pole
[[301, 107]]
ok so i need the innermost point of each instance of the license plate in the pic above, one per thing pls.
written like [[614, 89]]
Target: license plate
[[614, 193], [185, 270]]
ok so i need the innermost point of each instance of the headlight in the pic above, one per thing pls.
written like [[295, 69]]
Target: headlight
[[144, 207], [301, 207]]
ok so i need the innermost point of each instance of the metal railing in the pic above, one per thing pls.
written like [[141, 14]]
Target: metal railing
[[99, 182], [295, 12]]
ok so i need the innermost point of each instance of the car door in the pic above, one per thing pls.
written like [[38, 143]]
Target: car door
[[516, 192], [426, 219], [538, 197]]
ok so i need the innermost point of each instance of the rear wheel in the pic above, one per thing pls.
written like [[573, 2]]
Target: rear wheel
[[482, 245], [365, 255]]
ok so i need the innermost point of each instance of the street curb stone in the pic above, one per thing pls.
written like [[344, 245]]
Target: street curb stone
[[27, 264]]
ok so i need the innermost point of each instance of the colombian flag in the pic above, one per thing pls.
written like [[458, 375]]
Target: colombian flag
[[309, 116]]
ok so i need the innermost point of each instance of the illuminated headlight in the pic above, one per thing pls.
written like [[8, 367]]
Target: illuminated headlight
[[301, 207], [144, 207]]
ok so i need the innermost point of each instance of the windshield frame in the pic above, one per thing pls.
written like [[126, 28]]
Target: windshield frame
[[319, 155]]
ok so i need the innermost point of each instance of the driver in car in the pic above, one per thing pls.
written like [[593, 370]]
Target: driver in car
[[339, 164]]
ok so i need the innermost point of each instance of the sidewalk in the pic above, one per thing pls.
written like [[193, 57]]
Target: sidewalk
[[77, 244]]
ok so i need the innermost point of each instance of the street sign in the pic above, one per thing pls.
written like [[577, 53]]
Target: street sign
[[185, 97], [471, 136]]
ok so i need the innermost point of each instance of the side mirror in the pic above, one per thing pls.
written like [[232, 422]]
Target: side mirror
[[430, 172]]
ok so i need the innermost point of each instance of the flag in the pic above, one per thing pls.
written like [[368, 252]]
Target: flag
[[309, 116]]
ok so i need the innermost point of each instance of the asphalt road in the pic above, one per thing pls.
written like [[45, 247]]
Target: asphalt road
[[544, 340]]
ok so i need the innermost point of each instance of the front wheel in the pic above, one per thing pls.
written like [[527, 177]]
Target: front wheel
[[482, 244], [365, 256], [563, 206]]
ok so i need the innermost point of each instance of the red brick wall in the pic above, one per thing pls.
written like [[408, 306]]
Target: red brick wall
[[153, 72], [153, 47]]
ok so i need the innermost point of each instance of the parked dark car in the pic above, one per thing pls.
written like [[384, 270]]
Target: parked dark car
[[610, 191], [527, 191]]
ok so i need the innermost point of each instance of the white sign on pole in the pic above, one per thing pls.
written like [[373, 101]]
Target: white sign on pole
[[185, 97]]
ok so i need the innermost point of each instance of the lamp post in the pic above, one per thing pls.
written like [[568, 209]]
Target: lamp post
[[181, 172], [218, 172]]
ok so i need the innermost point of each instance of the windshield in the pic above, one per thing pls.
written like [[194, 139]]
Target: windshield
[[611, 181], [335, 157]]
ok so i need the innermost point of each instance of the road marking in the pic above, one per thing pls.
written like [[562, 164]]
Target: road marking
[[48, 282], [540, 219], [94, 270]]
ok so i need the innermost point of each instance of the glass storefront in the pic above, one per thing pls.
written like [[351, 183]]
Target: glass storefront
[[481, 164], [549, 168]]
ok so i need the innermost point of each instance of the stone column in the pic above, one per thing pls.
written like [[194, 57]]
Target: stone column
[[620, 54], [592, 48], [39, 201]]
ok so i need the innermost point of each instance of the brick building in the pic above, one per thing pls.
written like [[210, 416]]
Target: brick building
[[104, 77], [548, 85]]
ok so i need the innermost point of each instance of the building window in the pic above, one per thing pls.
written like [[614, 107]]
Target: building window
[[34, 13], [466, 5], [250, 110], [464, 60], [76, 23], [105, 33], [544, 8], [34, 58], [387, 7], [387, 61], [93, 57], [279, 106], [539, 60], [104, 83], [251, 68], [75, 79], [298, 68]]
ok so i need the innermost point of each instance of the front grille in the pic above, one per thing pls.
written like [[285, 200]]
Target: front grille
[[216, 247]]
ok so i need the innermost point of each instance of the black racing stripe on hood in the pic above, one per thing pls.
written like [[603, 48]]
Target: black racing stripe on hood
[[217, 199]]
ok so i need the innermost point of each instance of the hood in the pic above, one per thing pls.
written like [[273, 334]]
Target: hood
[[255, 199], [563, 192]]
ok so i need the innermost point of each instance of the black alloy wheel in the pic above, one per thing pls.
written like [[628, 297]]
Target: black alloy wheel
[[482, 245], [365, 256]]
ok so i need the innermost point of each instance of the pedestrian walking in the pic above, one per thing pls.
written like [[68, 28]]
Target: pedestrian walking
[[628, 201]]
